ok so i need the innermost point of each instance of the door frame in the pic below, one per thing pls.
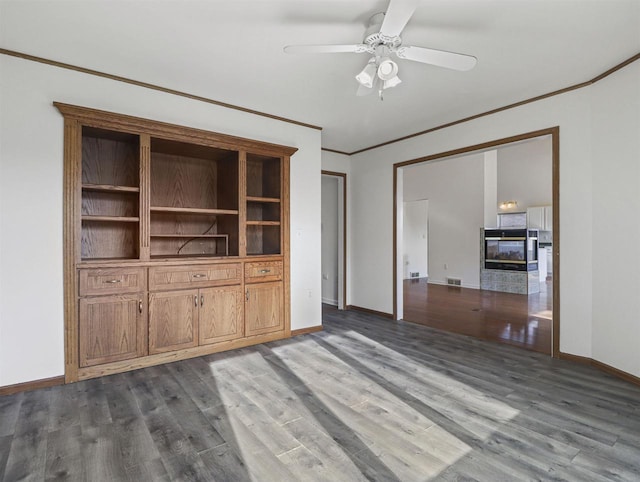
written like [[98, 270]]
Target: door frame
[[554, 132], [342, 266]]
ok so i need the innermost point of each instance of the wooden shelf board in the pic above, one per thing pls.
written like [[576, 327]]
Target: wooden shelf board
[[263, 223], [263, 199], [166, 209], [110, 219], [109, 188], [189, 235], [103, 260], [190, 256]]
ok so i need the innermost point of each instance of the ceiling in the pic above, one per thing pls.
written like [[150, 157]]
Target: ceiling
[[231, 51]]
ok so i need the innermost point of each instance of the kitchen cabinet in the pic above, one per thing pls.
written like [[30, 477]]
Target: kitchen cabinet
[[540, 217]]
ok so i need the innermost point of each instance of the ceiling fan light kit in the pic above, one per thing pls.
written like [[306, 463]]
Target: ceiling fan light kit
[[382, 39]]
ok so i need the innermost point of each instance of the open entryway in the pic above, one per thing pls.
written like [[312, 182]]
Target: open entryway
[[477, 236], [334, 246]]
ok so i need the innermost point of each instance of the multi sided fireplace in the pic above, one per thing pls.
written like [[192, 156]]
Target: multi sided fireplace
[[511, 249]]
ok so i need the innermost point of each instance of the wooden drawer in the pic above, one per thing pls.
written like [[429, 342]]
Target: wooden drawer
[[263, 271], [111, 281], [193, 276]]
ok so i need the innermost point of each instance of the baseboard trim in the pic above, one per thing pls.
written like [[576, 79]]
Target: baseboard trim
[[371, 312], [576, 358], [33, 385], [306, 331], [628, 377]]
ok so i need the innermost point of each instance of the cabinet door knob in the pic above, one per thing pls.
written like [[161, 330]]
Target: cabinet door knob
[[195, 300], [247, 295], [113, 281], [140, 306], [201, 300]]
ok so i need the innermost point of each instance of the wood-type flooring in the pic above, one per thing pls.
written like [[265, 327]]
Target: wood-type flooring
[[519, 320], [365, 399]]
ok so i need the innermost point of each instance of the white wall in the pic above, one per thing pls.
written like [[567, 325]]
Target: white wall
[[455, 189], [414, 238], [330, 240], [599, 185], [615, 118], [372, 172], [31, 158], [525, 173]]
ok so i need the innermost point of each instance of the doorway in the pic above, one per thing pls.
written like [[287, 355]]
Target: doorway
[[334, 239], [453, 295]]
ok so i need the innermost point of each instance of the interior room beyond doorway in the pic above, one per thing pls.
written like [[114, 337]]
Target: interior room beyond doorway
[[475, 238]]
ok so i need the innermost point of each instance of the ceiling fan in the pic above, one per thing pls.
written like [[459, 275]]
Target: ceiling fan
[[381, 41]]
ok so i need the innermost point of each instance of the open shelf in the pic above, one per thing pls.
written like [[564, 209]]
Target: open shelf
[[169, 209]]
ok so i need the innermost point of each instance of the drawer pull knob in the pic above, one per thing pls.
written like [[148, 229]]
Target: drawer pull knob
[[263, 271], [199, 275], [113, 281]]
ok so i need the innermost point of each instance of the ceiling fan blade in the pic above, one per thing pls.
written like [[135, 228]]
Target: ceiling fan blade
[[441, 58], [397, 16], [326, 49]]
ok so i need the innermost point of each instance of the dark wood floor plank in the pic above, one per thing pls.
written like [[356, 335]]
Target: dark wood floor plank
[[27, 455], [366, 398], [518, 320], [64, 454], [9, 411]]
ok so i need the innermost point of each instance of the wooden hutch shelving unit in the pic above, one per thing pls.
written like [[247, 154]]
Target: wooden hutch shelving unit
[[176, 242]]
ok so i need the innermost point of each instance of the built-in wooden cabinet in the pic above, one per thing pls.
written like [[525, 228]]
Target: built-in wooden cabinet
[[173, 320], [221, 314], [113, 328], [264, 308], [176, 242]]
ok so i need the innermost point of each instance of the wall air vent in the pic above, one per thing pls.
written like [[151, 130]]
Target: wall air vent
[[454, 282], [414, 274]]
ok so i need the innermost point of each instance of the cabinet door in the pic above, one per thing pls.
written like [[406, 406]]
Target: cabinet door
[[535, 217], [548, 218], [220, 314], [173, 320], [264, 311], [112, 328]]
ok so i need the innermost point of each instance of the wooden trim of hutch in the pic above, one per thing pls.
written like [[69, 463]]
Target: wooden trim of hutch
[[77, 117], [126, 123], [32, 385], [285, 242], [72, 205], [554, 132], [145, 197]]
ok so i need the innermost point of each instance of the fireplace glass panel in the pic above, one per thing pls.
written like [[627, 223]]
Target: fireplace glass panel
[[505, 250]]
